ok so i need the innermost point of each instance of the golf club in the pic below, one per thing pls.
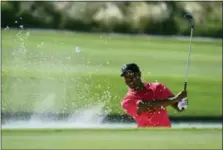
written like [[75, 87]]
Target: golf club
[[191, 22]]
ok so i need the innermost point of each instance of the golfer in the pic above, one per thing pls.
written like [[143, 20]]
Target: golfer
[[146, 102]]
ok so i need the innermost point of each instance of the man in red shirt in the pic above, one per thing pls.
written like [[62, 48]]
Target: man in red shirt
[[146, 102]]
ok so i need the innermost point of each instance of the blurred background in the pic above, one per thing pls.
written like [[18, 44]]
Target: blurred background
[[163, 18]]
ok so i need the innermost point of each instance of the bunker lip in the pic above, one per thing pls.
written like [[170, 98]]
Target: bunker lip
[[94, 119], [79, 125], [114, 118]]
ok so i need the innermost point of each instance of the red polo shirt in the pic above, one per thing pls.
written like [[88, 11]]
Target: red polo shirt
[[154, 118]]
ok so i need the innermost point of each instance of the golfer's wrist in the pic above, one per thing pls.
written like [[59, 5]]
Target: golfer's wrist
[[173, 99]]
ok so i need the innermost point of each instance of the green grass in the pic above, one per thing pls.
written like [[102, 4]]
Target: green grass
[[112, 139], [51, 66]]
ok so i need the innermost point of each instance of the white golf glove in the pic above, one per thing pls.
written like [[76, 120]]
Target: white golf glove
[[182, 104]]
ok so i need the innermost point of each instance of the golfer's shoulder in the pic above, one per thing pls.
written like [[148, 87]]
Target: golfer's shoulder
[[128, 99], [155, 85], [130, 95]]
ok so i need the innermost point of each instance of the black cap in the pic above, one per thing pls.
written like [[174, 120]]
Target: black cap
[[130, 67]]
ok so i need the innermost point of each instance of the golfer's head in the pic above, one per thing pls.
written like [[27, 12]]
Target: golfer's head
[[131, 74]]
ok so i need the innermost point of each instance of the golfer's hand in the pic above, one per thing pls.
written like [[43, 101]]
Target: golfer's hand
[[141, 107], [182, 100], [182, 105], [180, 96]]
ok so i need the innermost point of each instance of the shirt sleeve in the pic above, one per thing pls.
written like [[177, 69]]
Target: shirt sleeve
[[129, 104], [163, 92]]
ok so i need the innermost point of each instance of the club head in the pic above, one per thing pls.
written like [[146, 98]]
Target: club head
[[188, 16], [190, 19]]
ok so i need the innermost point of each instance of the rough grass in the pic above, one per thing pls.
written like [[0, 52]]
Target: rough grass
[[112, 139], [36, 64]]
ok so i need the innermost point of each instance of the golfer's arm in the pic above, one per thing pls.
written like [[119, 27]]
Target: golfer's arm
[[149, 105]]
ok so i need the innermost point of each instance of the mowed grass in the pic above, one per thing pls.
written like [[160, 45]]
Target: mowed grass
[[44, 70], [112, 139]]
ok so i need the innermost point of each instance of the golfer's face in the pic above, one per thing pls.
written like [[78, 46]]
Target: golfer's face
[[131, 79]]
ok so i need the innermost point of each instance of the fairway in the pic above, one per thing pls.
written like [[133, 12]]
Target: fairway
[[75, 70], [112, 139]]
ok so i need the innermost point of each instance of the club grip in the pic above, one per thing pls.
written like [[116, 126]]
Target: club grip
[[185, 86]]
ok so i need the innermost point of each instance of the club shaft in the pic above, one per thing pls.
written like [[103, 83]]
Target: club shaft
[[188, 61]]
